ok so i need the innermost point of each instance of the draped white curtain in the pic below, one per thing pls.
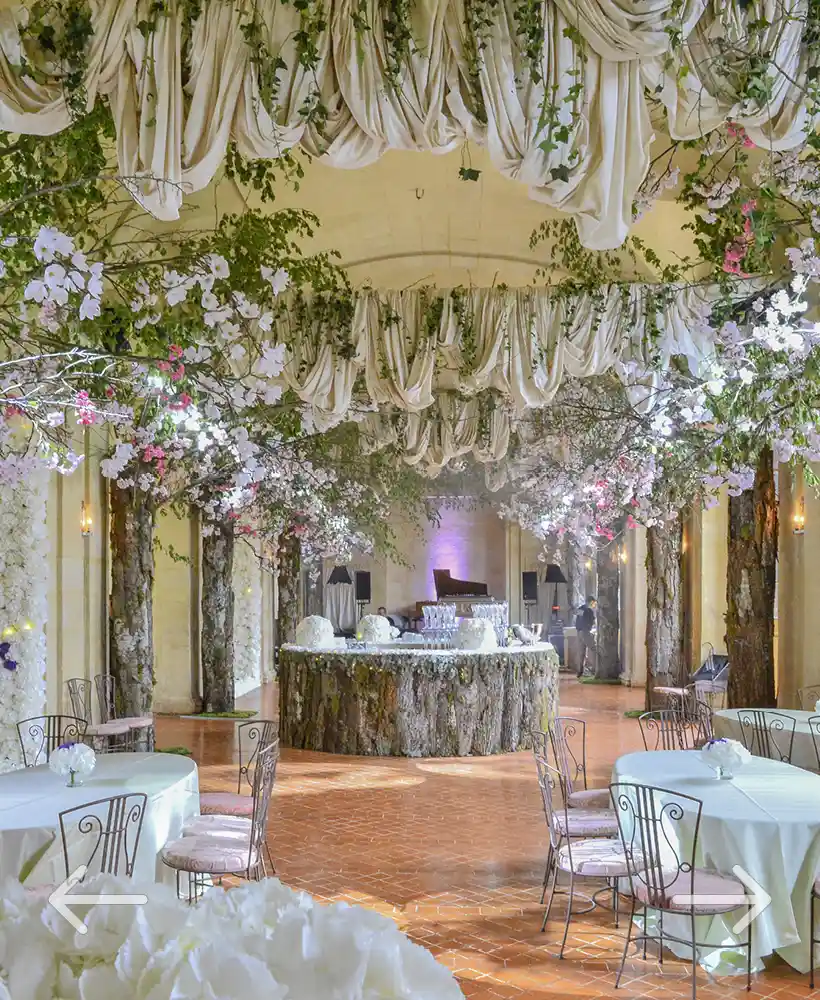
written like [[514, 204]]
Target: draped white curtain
[[340, 607], [521, 343], [177, 105]]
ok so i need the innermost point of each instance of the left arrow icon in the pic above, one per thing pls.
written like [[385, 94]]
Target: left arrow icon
[[62, 898]]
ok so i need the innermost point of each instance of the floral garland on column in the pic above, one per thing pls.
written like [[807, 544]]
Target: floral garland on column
[[247, 618], [24, 579]]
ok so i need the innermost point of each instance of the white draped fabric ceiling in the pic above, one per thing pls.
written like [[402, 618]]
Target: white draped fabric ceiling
[[517, 343], [177, 100]]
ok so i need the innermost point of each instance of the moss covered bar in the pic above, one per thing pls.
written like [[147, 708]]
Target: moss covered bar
[[415, 703]]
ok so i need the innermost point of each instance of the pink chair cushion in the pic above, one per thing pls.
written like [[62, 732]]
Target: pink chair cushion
[[118, 727], [588, 823], [601, 857], [138, 721], [589, 798], [225, 804], [208, 855], [212, 825], [706, 883]]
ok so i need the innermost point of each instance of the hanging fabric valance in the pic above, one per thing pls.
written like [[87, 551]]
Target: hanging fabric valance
[[179, 98], [403, 349]]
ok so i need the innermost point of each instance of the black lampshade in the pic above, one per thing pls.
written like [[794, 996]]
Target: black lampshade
[[554, 574], [340, 574]]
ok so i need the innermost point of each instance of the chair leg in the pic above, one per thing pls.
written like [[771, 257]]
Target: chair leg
[[547, 872], [615, 902], [626, 943], [811, 943], [660, 937], [569, 913], [749, 957], [694, 957], [552, 896], [645, 930], [270, 857]]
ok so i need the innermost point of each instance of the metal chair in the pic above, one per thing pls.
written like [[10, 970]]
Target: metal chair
[[767, 734], [712, 694], [79, 695], [702, 718], [113, 824], [654, 825], [809, 696], [252, 738], [202, 856], [593, 857], [41, 734], [668, 730], [106, 737], [107, 700], [568, 738]]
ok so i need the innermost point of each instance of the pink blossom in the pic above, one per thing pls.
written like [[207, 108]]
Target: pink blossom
[[178, 374], [174, 352], [151, 452], [164, 366], [748, 207], [631, 522]]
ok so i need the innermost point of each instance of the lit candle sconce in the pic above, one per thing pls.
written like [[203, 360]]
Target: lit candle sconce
[[85, 519], [588, 564], [623, 554], [799, 518]]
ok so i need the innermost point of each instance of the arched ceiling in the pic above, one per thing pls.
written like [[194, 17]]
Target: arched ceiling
[[409, 219]]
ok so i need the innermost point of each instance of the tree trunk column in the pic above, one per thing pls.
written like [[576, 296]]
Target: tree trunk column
[[608, 664], [750, 591], [665, 664], [131, 609], [217, 619], [289, 573]]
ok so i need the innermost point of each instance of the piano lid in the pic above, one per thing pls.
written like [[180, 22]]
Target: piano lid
[[448, 586]]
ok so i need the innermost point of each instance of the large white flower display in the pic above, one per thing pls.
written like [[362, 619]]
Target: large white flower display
[[375, 629], [259, 941], [24, 568], [477, 634], [315, 632]]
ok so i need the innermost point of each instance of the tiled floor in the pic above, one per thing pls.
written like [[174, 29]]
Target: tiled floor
[[454, 851]]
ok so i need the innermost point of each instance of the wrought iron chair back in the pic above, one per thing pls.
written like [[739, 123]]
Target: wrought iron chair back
[[264, 776], [549, 778], [106, 696], [809, 696], [79, 694], [541, 741], [668, 729], [710, 694], [660, 850], [814, 729], [42, 734], [569, 746], [112, 826], [702, 717], [253, 737], [767, 734]]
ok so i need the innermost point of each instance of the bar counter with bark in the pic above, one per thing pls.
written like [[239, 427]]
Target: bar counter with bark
[[387, 701]]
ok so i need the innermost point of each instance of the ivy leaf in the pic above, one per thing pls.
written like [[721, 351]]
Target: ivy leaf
[[469, 174], [560, 173]]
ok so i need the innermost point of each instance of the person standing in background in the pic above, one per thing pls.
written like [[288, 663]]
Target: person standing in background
[[584, 625]]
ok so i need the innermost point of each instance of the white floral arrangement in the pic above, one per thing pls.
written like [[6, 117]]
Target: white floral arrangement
[[817, 706], [375, 629], [315, 632], [476, 633], [252, 941], [728, 755], [73, 760]]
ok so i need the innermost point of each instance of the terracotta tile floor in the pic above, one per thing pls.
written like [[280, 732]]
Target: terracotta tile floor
[[453, 850]]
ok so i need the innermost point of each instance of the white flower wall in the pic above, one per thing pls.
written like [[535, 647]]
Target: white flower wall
[[247, 618], [24, 578]]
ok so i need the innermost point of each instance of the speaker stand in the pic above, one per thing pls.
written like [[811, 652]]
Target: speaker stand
[[361, 605], [529, 606]]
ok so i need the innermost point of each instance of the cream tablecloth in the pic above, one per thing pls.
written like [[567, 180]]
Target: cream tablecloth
[[726, 723], [32, 798], [767, 820]]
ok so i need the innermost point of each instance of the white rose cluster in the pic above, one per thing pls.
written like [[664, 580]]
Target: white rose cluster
[[477, 634], [315, 632], [259, 941], [375, 629]]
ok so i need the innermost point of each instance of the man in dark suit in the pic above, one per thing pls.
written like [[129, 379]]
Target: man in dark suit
[[584, 624]]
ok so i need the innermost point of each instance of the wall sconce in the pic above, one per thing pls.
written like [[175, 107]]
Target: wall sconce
[[799, 519], [85, 519], [623, 554], [588, 564]]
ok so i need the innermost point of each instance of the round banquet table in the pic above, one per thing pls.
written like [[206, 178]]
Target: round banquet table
[[726, 724], [32, 798], [767, 820]]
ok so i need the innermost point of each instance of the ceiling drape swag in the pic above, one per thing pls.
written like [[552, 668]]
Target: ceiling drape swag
[[175, 142], [520, 343]]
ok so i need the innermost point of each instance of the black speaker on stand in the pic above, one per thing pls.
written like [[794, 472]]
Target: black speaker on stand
[[529, 587], [362, 590]]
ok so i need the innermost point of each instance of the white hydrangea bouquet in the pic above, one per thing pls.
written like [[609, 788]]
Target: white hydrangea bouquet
[[375, 629], [725, 756], [817, 707], [477, 634], [253, 941], [74, 761], [315, 632]]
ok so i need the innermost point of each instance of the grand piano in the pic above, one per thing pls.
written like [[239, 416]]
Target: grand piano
[[462, 593]]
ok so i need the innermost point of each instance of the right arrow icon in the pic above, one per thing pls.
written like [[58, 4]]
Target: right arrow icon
[[755, 897]]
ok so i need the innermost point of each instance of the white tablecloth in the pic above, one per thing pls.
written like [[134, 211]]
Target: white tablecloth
[[32, 798], [767, 820], [726, 723]]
